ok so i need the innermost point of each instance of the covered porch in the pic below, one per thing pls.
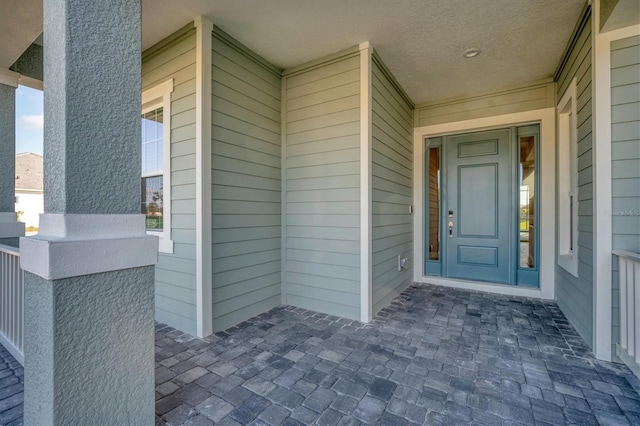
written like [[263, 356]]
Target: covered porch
[[434, 356], [288, 195]]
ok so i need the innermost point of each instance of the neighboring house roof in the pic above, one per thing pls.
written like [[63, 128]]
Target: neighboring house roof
[[29, 171]]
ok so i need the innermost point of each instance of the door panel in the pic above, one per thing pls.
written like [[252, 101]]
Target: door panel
[[479, 206], [477, 192]]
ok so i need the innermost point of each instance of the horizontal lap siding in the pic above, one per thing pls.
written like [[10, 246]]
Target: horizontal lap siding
[[517, 100], [176, 273], [625, 156], [246, 204], [323, 188], [575, 294], [392, 132]]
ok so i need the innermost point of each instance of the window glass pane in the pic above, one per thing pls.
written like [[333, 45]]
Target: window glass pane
[[527, 201], [434, 203], [152, 141], [152, 202]]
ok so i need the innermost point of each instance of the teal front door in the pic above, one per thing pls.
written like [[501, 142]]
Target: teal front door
[[478, 211]]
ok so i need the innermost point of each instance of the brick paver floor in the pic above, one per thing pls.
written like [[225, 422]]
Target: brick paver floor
[[434, 356], [11, 389]]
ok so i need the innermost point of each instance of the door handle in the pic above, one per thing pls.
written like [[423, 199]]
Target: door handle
[[450, 229]]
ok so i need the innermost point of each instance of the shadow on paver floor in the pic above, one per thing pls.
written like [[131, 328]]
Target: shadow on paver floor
[[11, 389], [434, 356]]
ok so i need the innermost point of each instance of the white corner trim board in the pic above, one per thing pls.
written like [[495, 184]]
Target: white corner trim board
[[366, 242], [204, 298], [602, 196], [71, 245]]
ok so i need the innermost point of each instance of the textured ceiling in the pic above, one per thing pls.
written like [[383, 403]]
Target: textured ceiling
[[421, 41], [20, 25]]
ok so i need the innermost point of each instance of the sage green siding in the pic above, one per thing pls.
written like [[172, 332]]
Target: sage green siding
[[246, 190], [526, 98], [575, 294], [175, 58], [322, 168], [392, 185], [625, 156]]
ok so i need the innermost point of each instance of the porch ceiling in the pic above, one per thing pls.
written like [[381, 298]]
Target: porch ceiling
[[20, 25], [421, 41]]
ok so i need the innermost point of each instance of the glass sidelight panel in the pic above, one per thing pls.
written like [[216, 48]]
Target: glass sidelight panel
[[527, 200], [434, 203]]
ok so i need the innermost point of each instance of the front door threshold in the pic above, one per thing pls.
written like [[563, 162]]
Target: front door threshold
[[496, 288]]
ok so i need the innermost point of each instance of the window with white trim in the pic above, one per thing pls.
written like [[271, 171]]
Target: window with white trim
[[568, 181], [156, 163]]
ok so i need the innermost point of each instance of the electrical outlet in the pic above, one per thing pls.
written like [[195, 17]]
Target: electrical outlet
[[403, 262]]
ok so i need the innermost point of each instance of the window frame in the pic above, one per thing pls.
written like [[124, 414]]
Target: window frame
[[568, 181], [156, 97]]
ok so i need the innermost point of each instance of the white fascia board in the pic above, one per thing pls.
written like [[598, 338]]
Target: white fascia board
[[9, 78]]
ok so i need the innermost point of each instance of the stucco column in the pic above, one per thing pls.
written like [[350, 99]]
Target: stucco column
[[89, 296], [10, 228]]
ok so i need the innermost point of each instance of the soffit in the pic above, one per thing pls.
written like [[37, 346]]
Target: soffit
[[421, 41], [20, 25]]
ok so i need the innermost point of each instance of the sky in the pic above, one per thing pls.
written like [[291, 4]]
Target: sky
[[29, 120]]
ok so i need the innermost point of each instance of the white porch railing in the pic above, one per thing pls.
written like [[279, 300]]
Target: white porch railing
[[628, 350], [11, 301]]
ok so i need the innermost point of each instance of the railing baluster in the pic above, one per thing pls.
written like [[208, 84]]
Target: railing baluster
[[633, 276], [628, 350], [11, 301], [631, 323], [622, 278]]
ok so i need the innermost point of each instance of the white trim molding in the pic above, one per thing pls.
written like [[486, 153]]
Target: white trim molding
[[204, 277], [160, 97], [602, 224], [547, 119], [33, 83], [568, 180], [9, 225], [9, 78], [71, 245], [283, 189], [366, 242]]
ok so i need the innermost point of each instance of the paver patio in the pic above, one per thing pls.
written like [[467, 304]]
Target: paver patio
[[434, 356]]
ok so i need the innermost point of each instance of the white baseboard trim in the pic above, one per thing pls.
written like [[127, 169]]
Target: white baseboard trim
[[19, 356]]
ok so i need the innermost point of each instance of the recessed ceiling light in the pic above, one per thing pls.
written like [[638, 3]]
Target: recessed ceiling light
[[471, 53]]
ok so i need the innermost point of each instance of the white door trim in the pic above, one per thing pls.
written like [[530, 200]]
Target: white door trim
[[547, 119]]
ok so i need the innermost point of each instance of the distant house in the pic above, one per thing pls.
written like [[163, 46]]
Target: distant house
[[29, 194]]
